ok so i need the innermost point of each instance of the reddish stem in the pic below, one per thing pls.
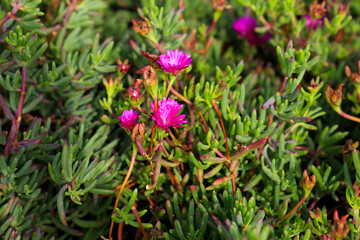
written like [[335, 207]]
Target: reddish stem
[[15, 121], [352, 118], [173, 91], [283, 85], [153, 129], [120, 230], [157, 45], [21, 102], [10, 14], [213, 24], [152, 140], [68, 13], [207, 46], [204, 122], [132, 163], [223, 128], [292, 210], [139, 222], [233, 182]]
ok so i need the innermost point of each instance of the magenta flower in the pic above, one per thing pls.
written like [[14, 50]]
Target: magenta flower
[[166, 114], [128, 119], [326, 237], [314, 23], [174, 61], [245, 27]]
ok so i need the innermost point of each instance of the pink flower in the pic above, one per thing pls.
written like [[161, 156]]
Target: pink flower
[[174, 61], [166, 114], [314, 23], [326, 237], [245, 27], [128, 119]]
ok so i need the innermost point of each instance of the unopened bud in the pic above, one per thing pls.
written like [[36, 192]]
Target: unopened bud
[[347, 71], [308, 184], [356, 189], [110, 86], [135, 98], [313, 86], [343, 8], [123, 67], [316, 214]]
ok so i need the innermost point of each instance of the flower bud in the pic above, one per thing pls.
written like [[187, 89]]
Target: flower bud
[[343, 8], [150, 81], [135, 98], [334, 97], [123, 67], [316, 214], [339, 229], [348, 71], [356, 189], [308, 184], [141, 26], [110, 86]]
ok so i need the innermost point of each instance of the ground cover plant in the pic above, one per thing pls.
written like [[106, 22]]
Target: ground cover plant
[[126, 119]]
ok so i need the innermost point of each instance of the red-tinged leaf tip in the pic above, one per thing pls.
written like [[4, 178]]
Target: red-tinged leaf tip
[[221, 180], [216, 220]]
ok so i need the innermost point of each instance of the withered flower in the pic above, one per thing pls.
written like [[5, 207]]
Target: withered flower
[[150, 80], [317, 10], [220, 5], [141, 26], [334, 97]]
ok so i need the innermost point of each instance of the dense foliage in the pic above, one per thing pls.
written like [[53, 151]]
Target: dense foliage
[[125, 119]]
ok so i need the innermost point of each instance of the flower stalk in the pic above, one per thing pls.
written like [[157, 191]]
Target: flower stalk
[[132, 163]]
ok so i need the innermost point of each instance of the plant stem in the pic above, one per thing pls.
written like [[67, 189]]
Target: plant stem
[[152, 140], [213, 24], [120, 230], [173, 137], [153, 129], [352, 118], [15, 120], [176, 93], [139, 222], [21, 102], [132, 163], [69, 11], [172, 80], [10, 14], [204, 122], [283, 85], [157, 45], [292, 210], [223, 128]]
